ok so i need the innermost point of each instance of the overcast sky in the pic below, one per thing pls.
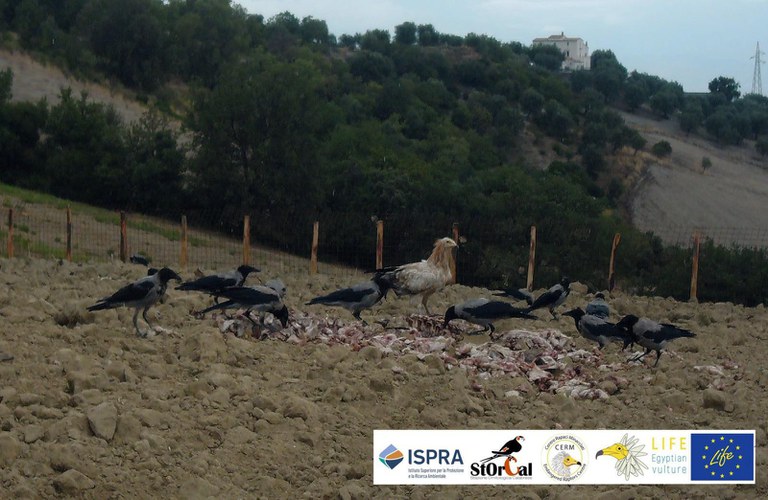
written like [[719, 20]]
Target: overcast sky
[[688, 41]]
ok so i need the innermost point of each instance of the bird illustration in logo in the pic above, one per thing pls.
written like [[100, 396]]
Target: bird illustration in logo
[[510, 447], [627, 453], [561, 464]]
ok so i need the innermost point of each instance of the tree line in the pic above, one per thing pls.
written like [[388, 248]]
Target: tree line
[[285, 121]]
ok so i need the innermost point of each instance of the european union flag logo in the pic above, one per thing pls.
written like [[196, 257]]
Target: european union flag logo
[[723, 457]]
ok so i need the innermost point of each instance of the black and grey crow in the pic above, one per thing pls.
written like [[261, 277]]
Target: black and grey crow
[[553, 297], [259, 298], [599, 330], [517, 294], [484, 312], [598, 306], [357, 297], [139, 259], [510, 447], [651, 335], [217, 282], [142, 293]]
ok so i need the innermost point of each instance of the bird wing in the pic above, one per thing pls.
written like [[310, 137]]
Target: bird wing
[[128, 294], [247, 295], [516, 293], [351, 295], [669, 332], [208, 283], [598, 327], [418, 277], [498, 309], [547, 298]]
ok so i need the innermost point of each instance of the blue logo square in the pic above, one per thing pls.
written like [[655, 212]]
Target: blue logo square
[[722, 457]]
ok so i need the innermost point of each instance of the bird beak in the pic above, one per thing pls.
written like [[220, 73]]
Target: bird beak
[[613, 451]]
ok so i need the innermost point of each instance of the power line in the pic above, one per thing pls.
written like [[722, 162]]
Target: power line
[[757, 80]]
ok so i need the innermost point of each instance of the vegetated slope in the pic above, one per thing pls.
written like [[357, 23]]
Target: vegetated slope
[[677, 194], [670, 197], [33, 80]]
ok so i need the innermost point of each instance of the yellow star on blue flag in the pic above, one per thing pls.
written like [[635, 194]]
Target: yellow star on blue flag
[[723, 457]]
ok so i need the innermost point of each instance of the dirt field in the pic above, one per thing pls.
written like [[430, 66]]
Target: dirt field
[[89, 409]]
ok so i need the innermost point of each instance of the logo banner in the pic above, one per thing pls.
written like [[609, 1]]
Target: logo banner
[[563, 456]]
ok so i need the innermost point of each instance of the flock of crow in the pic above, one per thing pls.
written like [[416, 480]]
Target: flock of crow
[[422, 278]]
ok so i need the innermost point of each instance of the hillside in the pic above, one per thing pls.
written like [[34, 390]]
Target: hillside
[[673, 196], [669, 197]]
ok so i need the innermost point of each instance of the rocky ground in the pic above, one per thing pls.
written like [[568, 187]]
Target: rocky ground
[[88, 409]]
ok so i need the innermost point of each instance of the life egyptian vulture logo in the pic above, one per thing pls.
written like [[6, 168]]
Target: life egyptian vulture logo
[[627, 454]]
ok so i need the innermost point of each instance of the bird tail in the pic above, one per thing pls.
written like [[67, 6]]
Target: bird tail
[[316, 300], [100, 306], [220, 305]]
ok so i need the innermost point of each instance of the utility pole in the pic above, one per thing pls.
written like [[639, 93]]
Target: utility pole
[[757, 80]]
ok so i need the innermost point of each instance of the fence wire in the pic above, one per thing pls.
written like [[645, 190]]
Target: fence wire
[[490, 254]]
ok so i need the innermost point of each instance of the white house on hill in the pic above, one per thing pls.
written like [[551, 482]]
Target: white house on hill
[[576, 50]]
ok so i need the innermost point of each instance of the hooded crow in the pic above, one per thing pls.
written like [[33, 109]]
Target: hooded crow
[[651, 335], [357, 297], [517, 294], [597, 329], [217, 282], [259, 298], [598, 306], [139, 259], [484, 312], [422, 278], [553, 297], [142, 293]]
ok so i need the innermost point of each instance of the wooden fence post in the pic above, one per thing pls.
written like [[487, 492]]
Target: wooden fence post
[[184, 241], [69, 234], [123, 237], [455, 235], [695, 266], [612, 264], [246, 240], [379, 244], [313, 254], [10, 233], [531, 259]]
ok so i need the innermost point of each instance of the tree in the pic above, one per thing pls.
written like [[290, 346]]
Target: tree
[[728, 87], [405, 34], [691, 117], [314, 32], [427, 34], [375, 41], [662, 149], [761, 145], [546, 56]]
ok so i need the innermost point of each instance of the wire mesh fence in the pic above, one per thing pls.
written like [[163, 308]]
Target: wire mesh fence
[[491, 253]]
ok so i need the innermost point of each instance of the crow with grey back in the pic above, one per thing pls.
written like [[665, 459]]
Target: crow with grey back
[[484, 312], [652, 335], [260, 298], [599, 330], [553, 297], [598, 306], [141, 294], [357, 297], [216, 282], [517, 294]]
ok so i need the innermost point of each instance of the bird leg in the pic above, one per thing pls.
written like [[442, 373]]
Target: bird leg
[[552, 312], [638, 358], [144, 315], [139, 333], [658, 357]]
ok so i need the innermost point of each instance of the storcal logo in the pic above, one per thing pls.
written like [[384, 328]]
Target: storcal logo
[[488, 468], [391, 456]]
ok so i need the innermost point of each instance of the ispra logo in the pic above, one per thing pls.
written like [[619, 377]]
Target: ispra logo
[[391, 456]]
